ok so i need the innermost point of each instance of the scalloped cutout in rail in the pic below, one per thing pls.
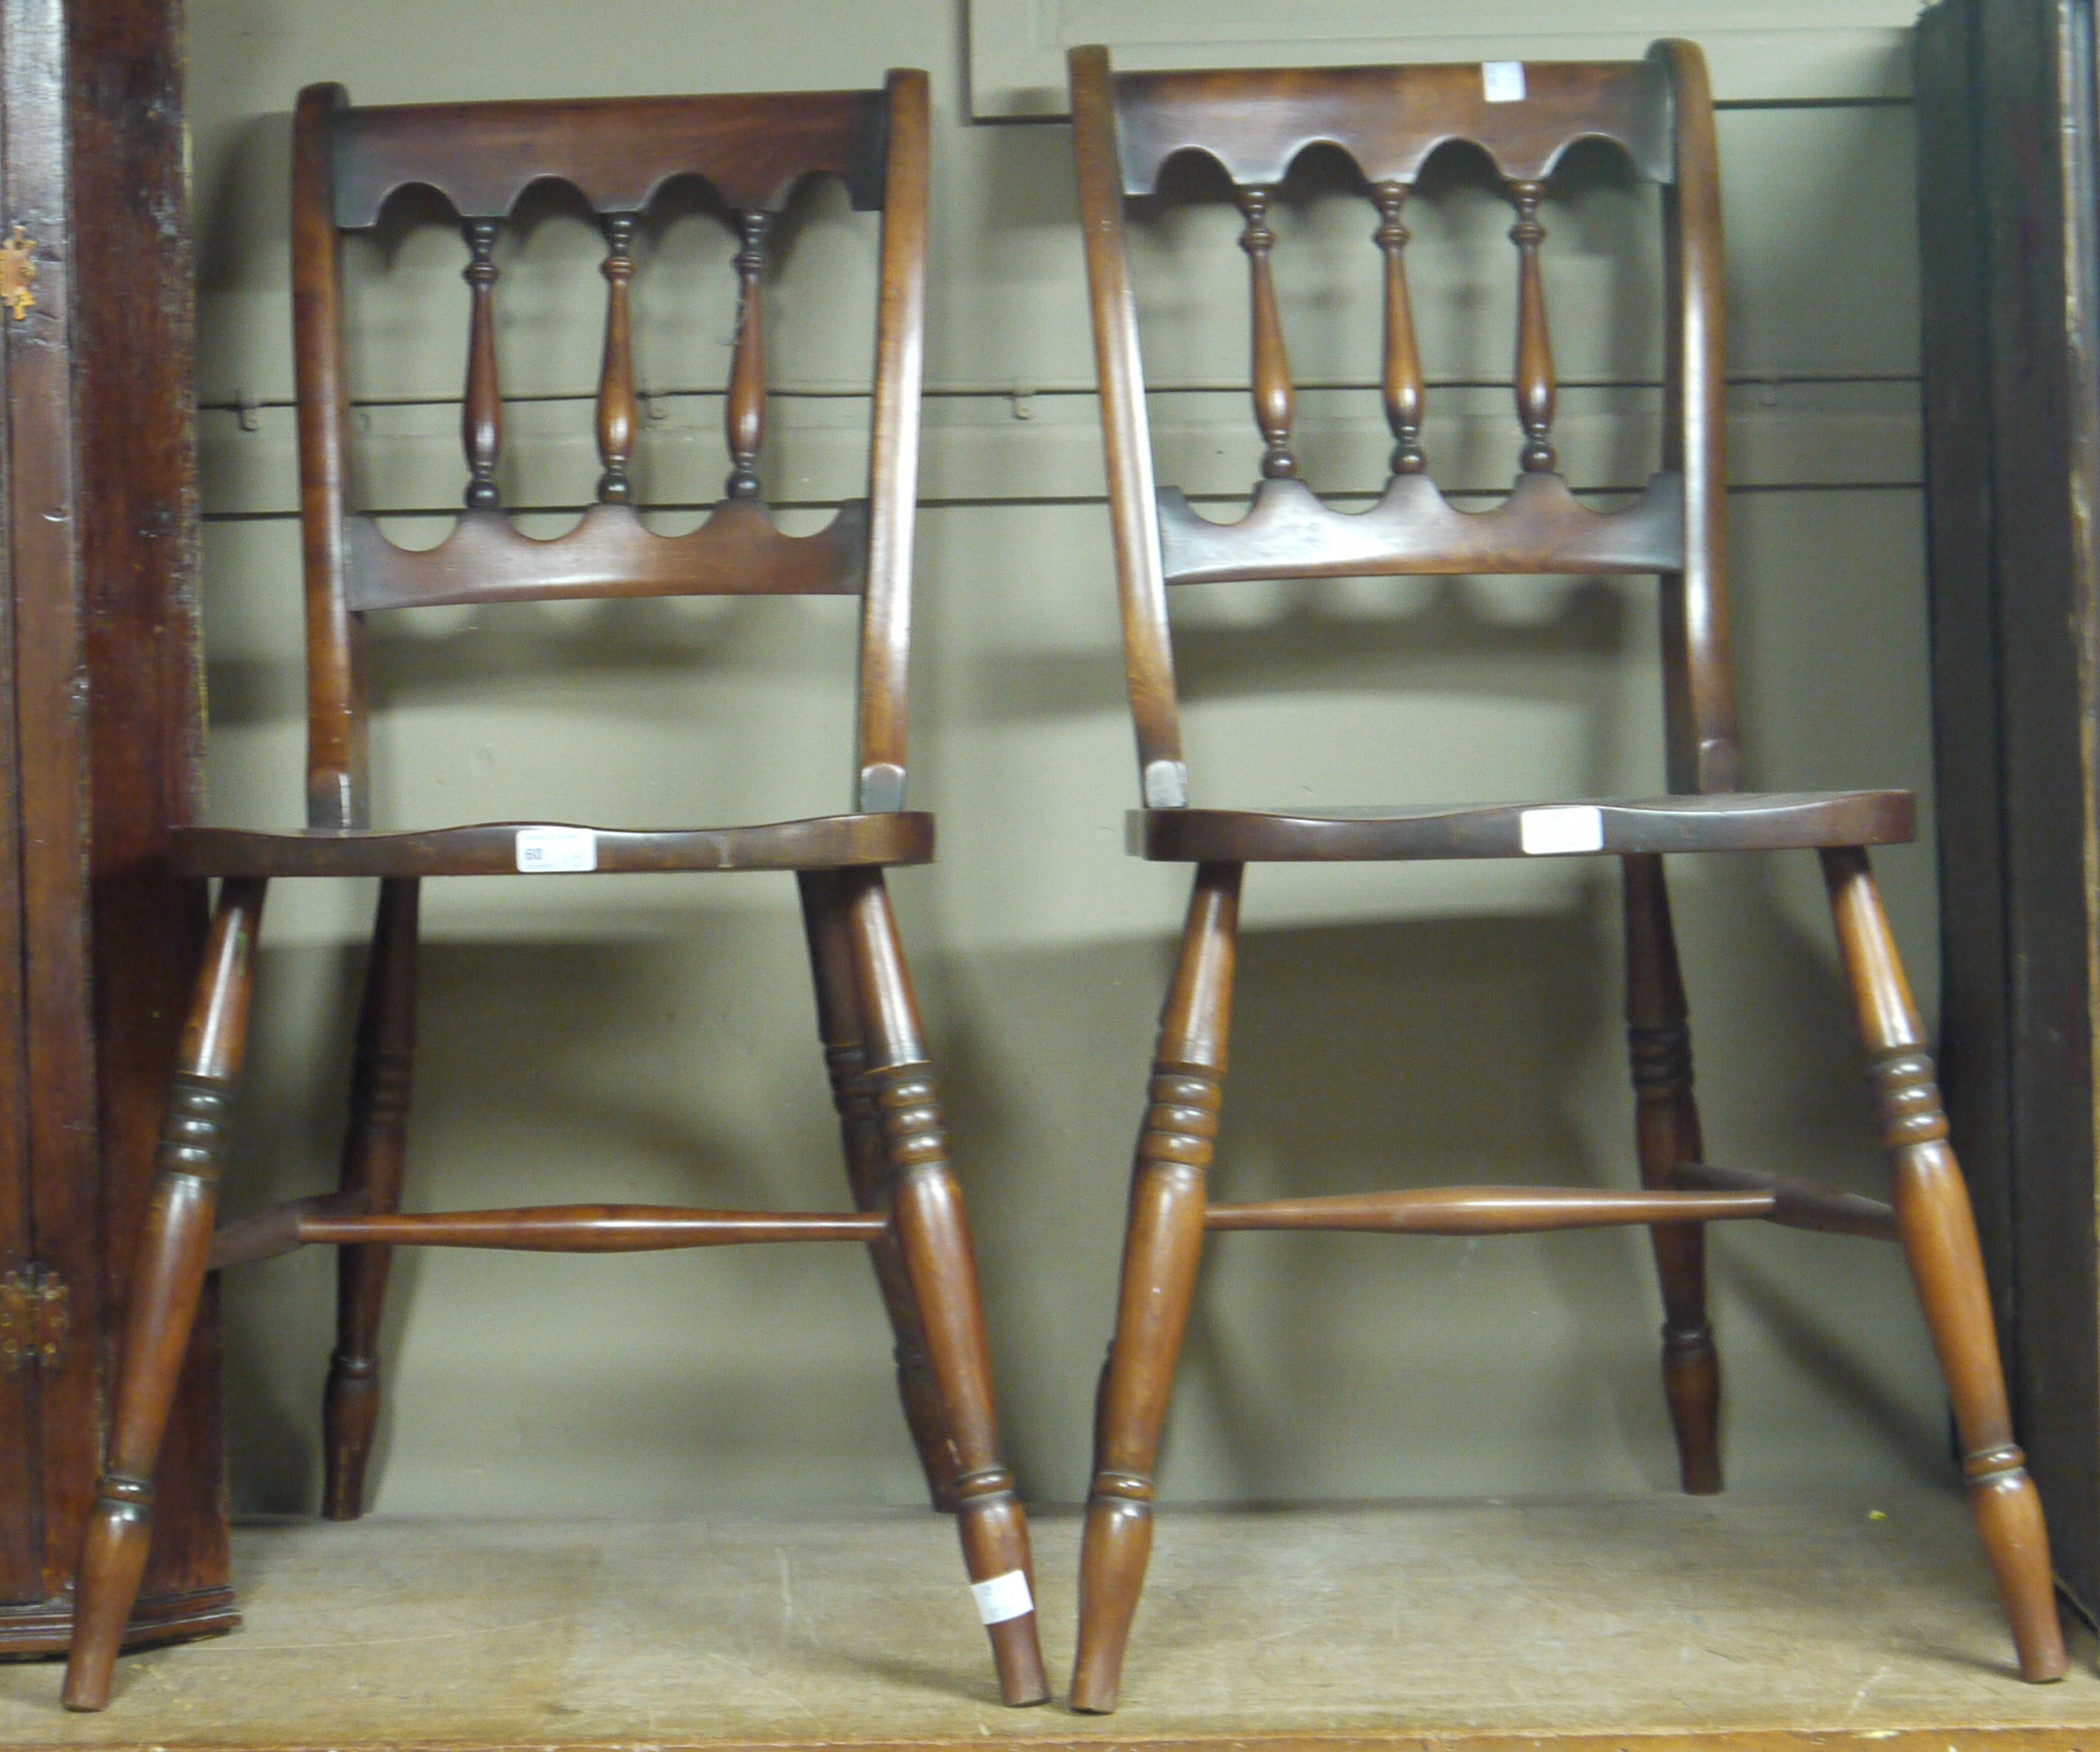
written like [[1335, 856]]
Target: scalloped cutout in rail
[[738, 551], [1541, 527]]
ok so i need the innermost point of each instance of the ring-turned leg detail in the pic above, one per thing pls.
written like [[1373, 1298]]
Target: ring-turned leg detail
[[868, 1171], [1938, 1230], [167, 1281], [375, 1152], [1659, 1044], [1161, 1256], [933, 1240]]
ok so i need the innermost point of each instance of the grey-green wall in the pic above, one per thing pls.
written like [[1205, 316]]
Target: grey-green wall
[[652, 1039]]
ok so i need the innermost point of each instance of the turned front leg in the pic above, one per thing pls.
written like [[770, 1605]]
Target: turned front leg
[[167, 1281], [374, 1155], [933, 1238], [867, 1170], [1938, 1230], [1162, 1253], [1660, 1043]]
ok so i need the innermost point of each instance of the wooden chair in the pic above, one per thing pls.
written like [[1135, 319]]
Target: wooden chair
[[753, 151], [1388, 120]]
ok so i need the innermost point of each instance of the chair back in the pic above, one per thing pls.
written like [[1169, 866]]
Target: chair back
[[1658, 112], [615, 153]]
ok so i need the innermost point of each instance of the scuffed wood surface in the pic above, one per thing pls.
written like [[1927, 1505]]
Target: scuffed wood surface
[[1757, 1623]]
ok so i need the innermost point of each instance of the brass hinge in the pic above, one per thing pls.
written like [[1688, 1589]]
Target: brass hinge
[[18, 273], [34, 1318]]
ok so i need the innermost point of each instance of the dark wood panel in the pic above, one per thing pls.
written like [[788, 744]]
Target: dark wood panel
[[97, 755], [21, 1524], [134, 319], [49, 698], [2005, 125]]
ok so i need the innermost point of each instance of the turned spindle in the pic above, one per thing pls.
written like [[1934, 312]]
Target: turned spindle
[[1403, 363], [1534, 350], [616, 405], [746, 413], [1274, 405], [481, 421]]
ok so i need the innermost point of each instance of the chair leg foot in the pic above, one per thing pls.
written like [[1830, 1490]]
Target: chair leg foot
[[2015, 1540], [112, 1563], [349, 1421], [1692, 1385], [1116, 1551]]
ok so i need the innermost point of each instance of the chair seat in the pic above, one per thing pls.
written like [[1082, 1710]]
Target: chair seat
[[492, 848], [1734, 821]]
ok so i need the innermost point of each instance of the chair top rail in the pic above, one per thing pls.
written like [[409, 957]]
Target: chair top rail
[[1389, 120], [616, 152]]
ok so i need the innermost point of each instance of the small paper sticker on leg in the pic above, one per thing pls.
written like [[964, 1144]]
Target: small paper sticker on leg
[[1003, 1597], [1501, 81], [1573, 827], [547, 850]]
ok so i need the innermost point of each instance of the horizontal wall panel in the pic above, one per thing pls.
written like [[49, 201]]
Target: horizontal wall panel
[[1049, 447], [1811, 288], [1758, 49]]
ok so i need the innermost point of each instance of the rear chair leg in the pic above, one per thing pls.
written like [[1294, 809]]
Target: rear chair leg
[[373, 1155], [867, 1170], [933, 1239], [1938, 1230], [167, 1279], [1658, 1039], [1161, 1254]]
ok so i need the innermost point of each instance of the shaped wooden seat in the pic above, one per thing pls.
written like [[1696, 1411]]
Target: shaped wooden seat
[[1732, 821], [482, 157], [1388, 120], [493, 848]]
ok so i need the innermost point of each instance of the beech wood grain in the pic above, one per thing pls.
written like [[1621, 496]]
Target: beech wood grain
[[585, 1228], [1488, 1210]]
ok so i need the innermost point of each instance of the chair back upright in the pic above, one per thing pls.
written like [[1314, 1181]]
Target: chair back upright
[[753, 151], [1658, 112]]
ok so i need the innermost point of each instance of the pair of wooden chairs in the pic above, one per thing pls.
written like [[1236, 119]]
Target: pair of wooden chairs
[[753, 151]]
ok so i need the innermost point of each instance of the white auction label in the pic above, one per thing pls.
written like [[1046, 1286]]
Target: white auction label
[[1573, 827], [1502, 81], [545, 850], [1004, 1597]]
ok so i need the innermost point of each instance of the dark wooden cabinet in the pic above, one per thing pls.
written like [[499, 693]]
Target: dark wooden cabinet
[[99, 755], [2007, 176]]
